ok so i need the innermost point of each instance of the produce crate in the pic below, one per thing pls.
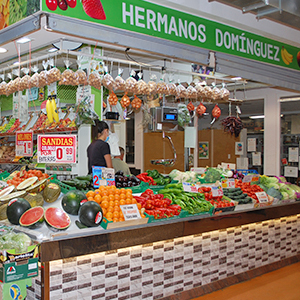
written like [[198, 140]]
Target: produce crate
[[183, 214], [64, 187], [4, 175], [204, 213], [14, 267], [105, 224], [156, 188], [139, 188]]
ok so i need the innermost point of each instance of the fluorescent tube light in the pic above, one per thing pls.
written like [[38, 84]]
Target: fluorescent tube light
[[288, 99], [23, 40], [3, 50], [236, 78], [257, 117], [52, 50]]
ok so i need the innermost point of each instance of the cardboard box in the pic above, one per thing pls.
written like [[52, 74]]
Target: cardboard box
[[14, 267], [15, 290]]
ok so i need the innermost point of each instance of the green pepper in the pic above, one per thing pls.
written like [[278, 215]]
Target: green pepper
[[174, 185]]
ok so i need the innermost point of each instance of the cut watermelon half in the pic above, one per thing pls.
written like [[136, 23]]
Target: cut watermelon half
[[32, 218], [57, 219]]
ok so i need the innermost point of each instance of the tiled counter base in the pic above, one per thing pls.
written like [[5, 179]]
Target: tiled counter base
[[162, 269]]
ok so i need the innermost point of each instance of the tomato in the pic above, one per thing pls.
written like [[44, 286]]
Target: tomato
[[51, 4]]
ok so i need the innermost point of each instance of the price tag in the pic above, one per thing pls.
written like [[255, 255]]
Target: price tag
[[248, 178], [262, 197], [103, 176], [199, 170], [130, 212], [190, 187], [57, 149], [255, 178], [228, 183], [216, 191], [24, 143]]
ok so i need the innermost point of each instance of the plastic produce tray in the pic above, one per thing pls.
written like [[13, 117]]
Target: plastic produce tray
[[139, 188], [64, 187], [4, 175]]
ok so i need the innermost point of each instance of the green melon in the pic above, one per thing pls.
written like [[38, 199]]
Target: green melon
[[15, 209], [34, 199], [32, 218], [51, 192], [71, 201], [3, 208], [37, 187]]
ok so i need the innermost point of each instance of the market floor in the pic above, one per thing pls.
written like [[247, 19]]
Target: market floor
[[283, 284]]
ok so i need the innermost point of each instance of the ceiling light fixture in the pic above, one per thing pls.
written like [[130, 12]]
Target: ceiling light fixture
[[3, 50], [288, 99], [52, 50], [236, 78], [257, 117], [23, 40]]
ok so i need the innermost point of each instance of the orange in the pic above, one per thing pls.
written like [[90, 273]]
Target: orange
[[101, 187], [97, 191], [117, 191], [109, 219], [97, 198], [104, 211], [90, 199], [110, 209], [116, 214], [128, 191], [104, 204], [128, 195], [143, 216], [122, 190], [111, 203], [128, 201], [133, 200], [139, 205], [116, 208], [122, 196], [117, 203], [111, 192], [109, 215], [104, 198], [117, 197], [122, 202], [121, 219], [115, 220], [104, 193], [90, 194], [111, 197]]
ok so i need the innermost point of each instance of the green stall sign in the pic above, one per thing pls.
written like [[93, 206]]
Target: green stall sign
[[162, 22]]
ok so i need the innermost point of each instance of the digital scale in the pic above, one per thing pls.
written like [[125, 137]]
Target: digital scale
[[163, 117]]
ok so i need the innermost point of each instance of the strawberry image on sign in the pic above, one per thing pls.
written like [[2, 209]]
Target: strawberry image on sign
[[94, 9]]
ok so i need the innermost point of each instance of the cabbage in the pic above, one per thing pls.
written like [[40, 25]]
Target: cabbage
[[274, 193], [284, 189], [18, 241], [285, 196]]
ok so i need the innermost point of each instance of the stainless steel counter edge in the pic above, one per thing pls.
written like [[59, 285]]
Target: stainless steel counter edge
[[158, 231]]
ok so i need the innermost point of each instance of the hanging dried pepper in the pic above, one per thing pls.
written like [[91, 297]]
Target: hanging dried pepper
[[233, 125]]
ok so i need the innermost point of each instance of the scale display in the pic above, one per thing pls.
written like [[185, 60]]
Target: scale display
[[169, 114]]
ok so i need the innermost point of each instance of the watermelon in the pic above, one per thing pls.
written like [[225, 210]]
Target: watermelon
[[15, 209], [57, 219], [32, 218], [71, 201], [90, 214]]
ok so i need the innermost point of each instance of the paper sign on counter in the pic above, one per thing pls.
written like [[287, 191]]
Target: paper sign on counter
[[24, 143], [228, 183], [130, 212], [262, 197]]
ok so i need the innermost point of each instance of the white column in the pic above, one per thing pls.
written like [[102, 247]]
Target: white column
[[272, 131]]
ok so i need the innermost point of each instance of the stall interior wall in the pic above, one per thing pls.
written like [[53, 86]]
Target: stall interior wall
[[161, 269]]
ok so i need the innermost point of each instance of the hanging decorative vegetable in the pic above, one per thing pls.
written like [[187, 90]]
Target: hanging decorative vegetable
[[136, 102], [216, 112], [191, 107], [233, 125], [125, 101], [201, 109], [112, 99]]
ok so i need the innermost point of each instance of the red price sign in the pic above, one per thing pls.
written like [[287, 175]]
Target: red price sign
[[57, 148], [24, 144]]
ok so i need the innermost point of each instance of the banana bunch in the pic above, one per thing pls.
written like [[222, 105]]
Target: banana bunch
[[52, 110], [286, 56]]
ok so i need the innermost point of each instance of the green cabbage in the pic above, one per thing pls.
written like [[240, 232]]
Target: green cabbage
[[18, 241], [274, 193]]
